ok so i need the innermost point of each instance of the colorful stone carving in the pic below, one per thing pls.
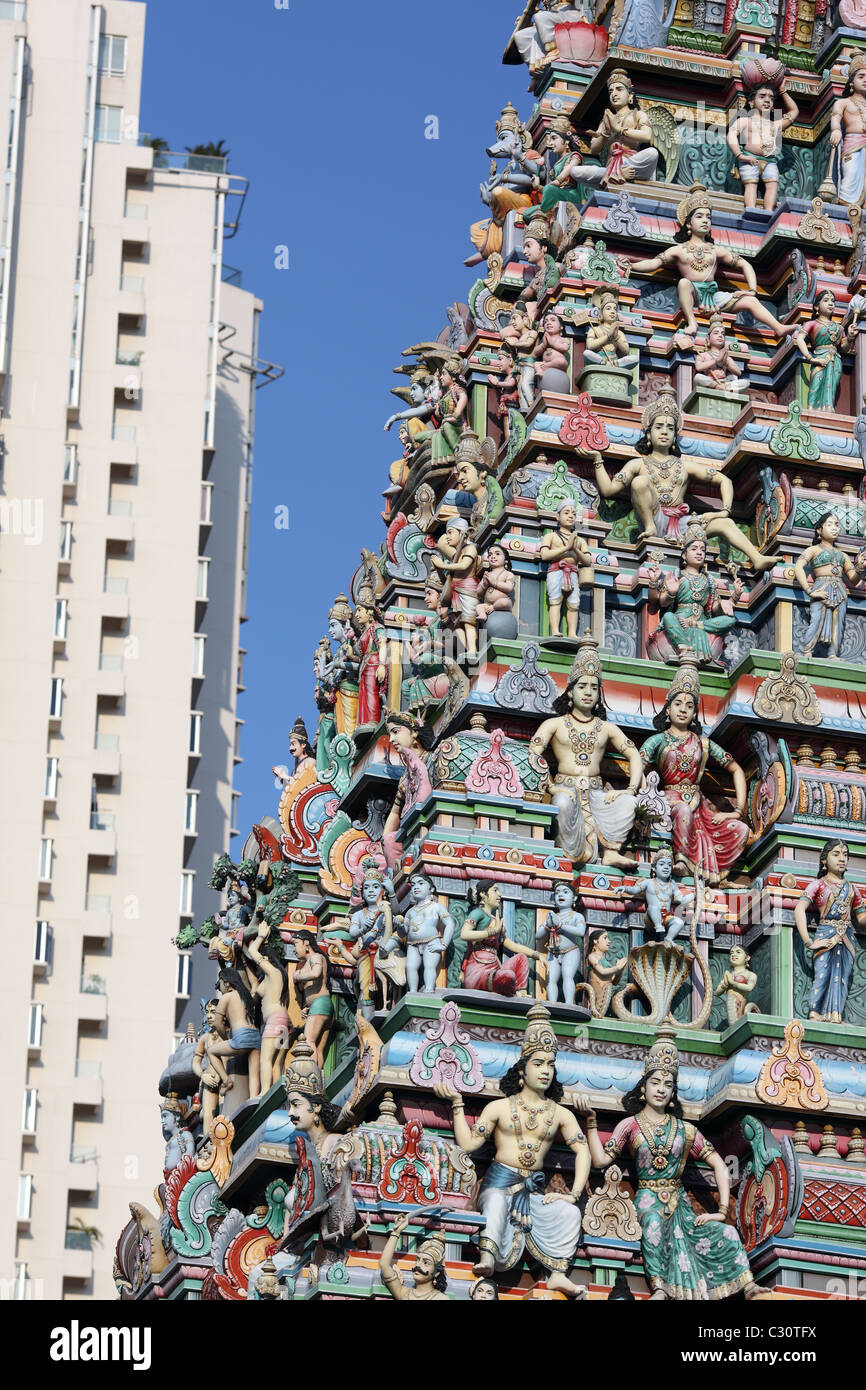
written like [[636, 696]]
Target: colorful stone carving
[[447, 1056], [789, 1077], [755, 140], [822, 571], [483, 931], [568, 562], [736, 985], [561, 934], [841, 909], [696, 617]]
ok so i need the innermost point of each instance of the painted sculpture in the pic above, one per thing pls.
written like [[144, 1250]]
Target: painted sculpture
[[568, 560], [755, 140], [372, 648], [428, 930], [840, 907], [715, 365], [561, 934], [823, 572], [428, 1273], [310, 984], [624, 141], [371, 927], [848, 135], [606, 343], [410, 738], [600, 977], [736, 985], [665, 901], [509, 187], [695, 618], [484, 932], [456, 560]]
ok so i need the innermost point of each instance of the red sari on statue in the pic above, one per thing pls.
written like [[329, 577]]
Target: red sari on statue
[[708, 848], [369, 691]]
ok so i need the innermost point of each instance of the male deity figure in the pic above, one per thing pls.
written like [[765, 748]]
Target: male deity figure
[[371, 926], [519, 1216], [456, 558], [566, 554], [664, 898], [429, 929], [697, 259], [848, 129], [657, 480], [536, 249], [755, 140], [590, 819], [209, 1068], [624, 140], [428, 1270], [563, 931], [310, 984], [178, 1141]]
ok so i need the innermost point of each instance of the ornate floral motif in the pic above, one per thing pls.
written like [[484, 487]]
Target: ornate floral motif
[[493, 771], [447, 1055], [817, 226], [582, 429], [558, 489], [791, 439], [623, 219], [408, 1174], [790, 1077], [527, 686], [609, 1211], [787, 697]]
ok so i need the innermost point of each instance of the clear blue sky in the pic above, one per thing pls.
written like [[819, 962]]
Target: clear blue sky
[[323, 107]]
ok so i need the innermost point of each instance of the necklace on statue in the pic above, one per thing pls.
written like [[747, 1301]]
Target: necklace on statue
[[658, 1138], [699, 256], [582, 737]]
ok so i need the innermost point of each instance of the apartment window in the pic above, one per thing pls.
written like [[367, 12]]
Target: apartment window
[[198, 642], [25, 1196], [112, 55], [187, 881], [183, 976], [50, 790], [191, 815], [70, 463], [195, 719], [239, 724], [61, 618], [19, 1289], [34, 1026], [28, 1111], [56, 697], [109, 124], [66, 540], [46, 858], [40, 944], [201, 583], [236, 796], [206, 500]]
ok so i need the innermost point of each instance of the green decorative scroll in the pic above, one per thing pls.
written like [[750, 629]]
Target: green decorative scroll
[[698, 43], [199, 1200], [556, 490], [754, 12], [272, 1220], [792, 439], [602, 266]]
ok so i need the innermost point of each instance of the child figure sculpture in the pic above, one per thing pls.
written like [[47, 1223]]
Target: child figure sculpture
[[665, 900]]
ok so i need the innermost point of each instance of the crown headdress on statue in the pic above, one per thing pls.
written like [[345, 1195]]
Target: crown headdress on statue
[[303, 1073], [587, 661], [537, 227], [340, 610], [695, 530], [299, 731], [619, 75], [455, 366], [539, 1035], [366, 598], [173, 1103], [687, 680], [665, 403], [371, 871], [509, 120], [601, 296], [561, 125], [434, 1246], [663, 1055], [698, 197], [857, 63]]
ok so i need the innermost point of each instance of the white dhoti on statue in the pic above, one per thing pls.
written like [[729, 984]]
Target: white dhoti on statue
[[852, 169], [518, 1220], [586, 820]]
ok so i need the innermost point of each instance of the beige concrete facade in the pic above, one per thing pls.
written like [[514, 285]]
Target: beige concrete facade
[[127, 435]]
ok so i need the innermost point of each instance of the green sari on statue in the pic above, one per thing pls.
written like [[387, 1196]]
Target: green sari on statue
[[682, 1259]]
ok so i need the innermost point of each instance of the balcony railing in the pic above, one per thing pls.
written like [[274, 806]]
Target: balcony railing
[[192, 163], [117, 507], [13, 9], [101, 820], [114, 585], [87, 1071], [92, 984], [77, 1154], [78, 1240], [126, 357], [107, 743], [97, 902]]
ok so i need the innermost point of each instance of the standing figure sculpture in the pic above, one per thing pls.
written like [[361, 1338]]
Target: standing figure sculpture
[[428, 1270], [519, 1217], [841, 906], [600, 977], [562, 933], [273, 991], [450, 413], [696, 618], [456, 560], [822, 342], [239, 1011], [426, 655], [822, 571], [624, 141], [755, 140], [697, 259], [606, 343], [536, 249], [568, 560], [411, 738], [707, 842], [684, 1256], [848, 131], [210, 1070], [483, 966], [736, 985], [310, 984], [590, 818], [178, 1140], [372, 928], [429, 930], [372, 647], [657, 480]]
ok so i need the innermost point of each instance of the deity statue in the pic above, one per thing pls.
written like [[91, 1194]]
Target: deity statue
[[755, 140], [496, 584], [456, 559], [707, 842], [715, 367], [657, 480], [606, 343], [848, 129], [427, 682], [736, 985], [483, 966], [552, 350], [411, 738], [340, 684], [505, 379], [450, 412], [518, 1216], [372, 648], [423, 394], [310, 985], [562, 933], [600, 977], [642, 23], [484, 1291], [300, 748], [590, 819], [273, 991], [822, 571], [428, 1270], [624, 141], [428, 928], [841, 907], [231, 924], [536, 43], [475, 467], [664, 899], [239, 1011], [822, 342], [696, 618], [372, 928], [508, 188], [209, 1068], [178, 1140], [568, 560], [697, 258], [536, 249], [521, 334], [684, 1256]]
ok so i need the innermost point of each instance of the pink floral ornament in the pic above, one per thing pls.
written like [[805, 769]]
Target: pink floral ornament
[[582, 429]]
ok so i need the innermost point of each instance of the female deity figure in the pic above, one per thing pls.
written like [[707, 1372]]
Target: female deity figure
[[410, 738], [684, 1256], [427, 682], [372, 928], [562, 934], [821, 572], [697, 259], [606, 343], [552, 347], [496, 584], [696, 616], [822, 342], [519, 1218], [456, 559], [664, 899], [450, 413], [714, 365], [590, 819], [504, 379], [240, 1011], [273, 991], [755, 140], [536, 249], [657, 480], [707, 842], [310, 985], [600, 977], [178, 1140], [475, 468], [340, 684], [624, 141], [566, 555], [483, 967], [848, 129], [840, 906], [372, 647], [736, 985]]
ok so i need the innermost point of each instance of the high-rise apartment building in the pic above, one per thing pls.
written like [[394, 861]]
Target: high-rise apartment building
[[128, 367]]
